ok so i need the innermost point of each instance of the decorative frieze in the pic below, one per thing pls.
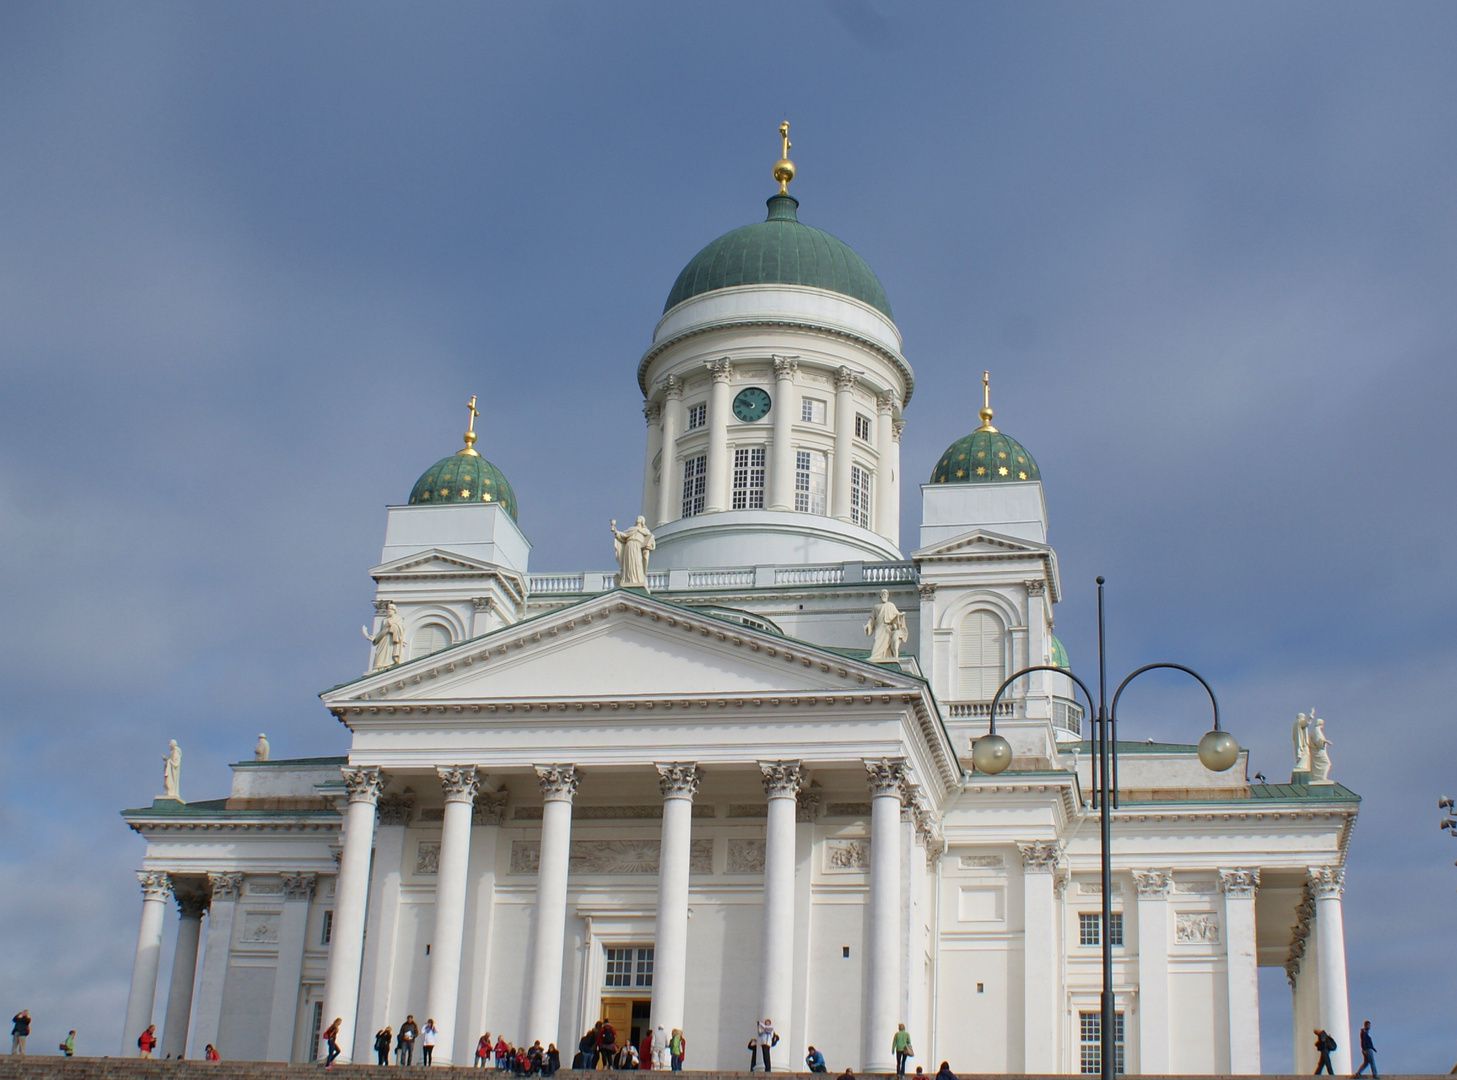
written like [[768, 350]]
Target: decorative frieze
[[1040, 857], [842, 856], [427, 857], [782, 779], [299, 886], [156, 884], [396, 809], [432, 815], [886, 776], [611, 857], [489, 808], [363, 784], [259, 928], [458, 782], [1036, 588], [226, 886], [1239, 883], [745, 856], [1196, 928], [678, 779], [265, 888], [558, 782], [928, 590], [1095, 888], [980, 862], [848, 809], [482, 604], [1198, 888], [1304, 920], [807, 804], [748, 810], [1151, 884]]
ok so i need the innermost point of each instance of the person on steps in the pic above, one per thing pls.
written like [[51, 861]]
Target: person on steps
[[382, 1040], [331, 1039]]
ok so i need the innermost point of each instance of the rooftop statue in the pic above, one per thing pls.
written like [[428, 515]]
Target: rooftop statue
[[1300, 737], [1320, 759], [631, 549], [388, 642], [260, 751], [172, 771], [886, 629]]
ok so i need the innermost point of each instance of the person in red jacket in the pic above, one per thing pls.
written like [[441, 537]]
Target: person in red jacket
[[645, 1050], [147, 1041]]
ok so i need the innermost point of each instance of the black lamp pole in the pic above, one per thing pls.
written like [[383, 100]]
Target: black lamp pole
[[992, 754]]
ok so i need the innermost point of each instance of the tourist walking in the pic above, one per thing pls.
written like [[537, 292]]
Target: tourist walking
[[427, 1041], [331, 1040], [901, 1045], [68, 1044], [19, 1031], [768, 1039], [660, 1047], [606, 1045], [382, 1040], [1324, 1043], [409, 1032], [1368, 1051], [147, 1041], [815, 1060], [677, 1049], [645, 1049]]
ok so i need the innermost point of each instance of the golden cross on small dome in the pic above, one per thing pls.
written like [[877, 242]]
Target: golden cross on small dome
[[470, 429], [784, 168], [985, 412]]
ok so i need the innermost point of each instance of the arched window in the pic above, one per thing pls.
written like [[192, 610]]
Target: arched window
[[432, 637], [980, 661]]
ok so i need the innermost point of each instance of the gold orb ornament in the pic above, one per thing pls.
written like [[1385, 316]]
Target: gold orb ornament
[[784, 168]]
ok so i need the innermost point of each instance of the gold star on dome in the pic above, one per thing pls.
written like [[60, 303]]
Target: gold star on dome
[[465, 493], [1001, 470], [1001, 453], [981, 470], [1021, 476], [960, 472], [444, 492], [485, 496]]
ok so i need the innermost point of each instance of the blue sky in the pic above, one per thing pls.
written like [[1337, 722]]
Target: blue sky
[[254, 257]]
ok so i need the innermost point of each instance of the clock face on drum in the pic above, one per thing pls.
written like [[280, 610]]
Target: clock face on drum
[[752, 404]]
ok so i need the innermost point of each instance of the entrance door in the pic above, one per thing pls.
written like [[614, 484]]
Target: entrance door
[[628, 1017]]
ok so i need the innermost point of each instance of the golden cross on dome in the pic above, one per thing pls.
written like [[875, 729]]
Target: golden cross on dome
[[470, 428], [986, 402], [784, 168]]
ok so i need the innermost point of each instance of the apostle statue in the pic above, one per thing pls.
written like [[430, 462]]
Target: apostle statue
[[1320, 759], [886, 629], [389, 641], [1300, 737], [631, 550], [172, 771], [260, 749]]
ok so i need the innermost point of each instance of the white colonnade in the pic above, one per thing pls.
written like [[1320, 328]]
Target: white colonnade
[[887, 778], [443, 991], [1153, 969], [190, 907], [785, 410], [1241, 964], [156, 888], [543, 1008], [782, 781], [346, 946], [720, 398], [844, 436], [1039, 958], [1327, 884], [678, 782]]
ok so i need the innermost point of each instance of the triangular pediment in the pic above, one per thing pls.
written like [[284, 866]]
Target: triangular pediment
[[621, 644], [982, 542], [433, 561]]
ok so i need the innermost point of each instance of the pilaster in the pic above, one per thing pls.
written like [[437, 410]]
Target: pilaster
[[1041, 998], [1154, 1053], [225, 889], [719, 467], [1239, 888], [156, 888], [298, 891]]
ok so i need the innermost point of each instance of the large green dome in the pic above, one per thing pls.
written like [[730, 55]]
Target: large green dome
[[986, 456], [779, 251], [464, 477]]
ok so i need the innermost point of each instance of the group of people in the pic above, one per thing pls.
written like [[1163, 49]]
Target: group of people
[[403, 1043], [533, 1060], [658, 1048]]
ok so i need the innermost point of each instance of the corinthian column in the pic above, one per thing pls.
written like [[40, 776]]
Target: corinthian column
[[886, 490], [782, 781], [224, 890], [190, 907], [1243, 974], [1327, 883], [156, 887], [844, 439], [1153, 970], [653, 414], [441, 997], [678, 782], [786, 408], [719, 466], [893, 511], [543, 1008], [351, 896], [887, 778]]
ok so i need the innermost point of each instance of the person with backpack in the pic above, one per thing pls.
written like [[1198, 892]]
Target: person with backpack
[[1368, 1052], [1324, 1044], [606, 1045], [147, 1041], [331, 1040], [68, 1045]]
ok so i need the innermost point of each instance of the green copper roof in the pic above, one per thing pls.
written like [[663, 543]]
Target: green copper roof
[[463, 478], [1059, 655], [985, 457], [779, 251]]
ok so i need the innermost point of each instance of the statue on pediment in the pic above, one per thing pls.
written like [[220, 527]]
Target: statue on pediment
[[1320, 758], [172, 771], [631, 549], [260, 749], [886, 629], [1300, 738], [388, 641]]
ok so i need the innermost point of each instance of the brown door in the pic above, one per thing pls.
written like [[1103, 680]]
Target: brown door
[[618, 1013]]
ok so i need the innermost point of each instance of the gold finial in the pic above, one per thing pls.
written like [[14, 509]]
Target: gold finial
[[470, 429], [784, 168], [985, 412]]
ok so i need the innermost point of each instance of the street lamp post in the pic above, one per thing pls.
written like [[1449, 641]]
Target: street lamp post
[[992, 753]]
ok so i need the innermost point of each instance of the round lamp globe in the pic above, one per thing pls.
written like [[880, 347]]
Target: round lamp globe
[[1218, 750], [991, 754]]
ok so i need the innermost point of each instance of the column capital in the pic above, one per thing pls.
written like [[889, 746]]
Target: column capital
[[227, 885], [785, 367], [1153, 884], [482, 604], [884, 402], [1036, 588], [652, 412], [844, 379], [807, 804], [459, 782], [1239, 883], [928, 590], [363, 784], [897, 426], [396, 809], [678, 779], [782, 779], [1040, 856], [1327, 882], [721, 369], [558, 782], [672, 388], [190, 905], [299, 886], [489, 808], [886, 776], [156, 884]]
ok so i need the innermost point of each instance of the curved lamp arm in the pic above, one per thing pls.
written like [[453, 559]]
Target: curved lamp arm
[[1092, 709], [1113, 709]]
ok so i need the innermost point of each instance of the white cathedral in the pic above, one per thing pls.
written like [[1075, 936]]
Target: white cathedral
[[699, 802]]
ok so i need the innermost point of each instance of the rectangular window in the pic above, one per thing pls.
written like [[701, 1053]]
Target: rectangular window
[[316, 1028], [1090, 927], [644, 974], [749, 478], [629, 967], [862, 427], [809, 481], [328, 932], [695, 482], [1090, 1042], [860, 496], [812, 411], [697, 415]]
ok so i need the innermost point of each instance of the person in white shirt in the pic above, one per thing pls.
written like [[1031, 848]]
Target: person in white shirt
[[427, 1041], [660, 1047], [767, 1039]]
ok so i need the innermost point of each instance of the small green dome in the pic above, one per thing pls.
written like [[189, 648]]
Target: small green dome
[[986, 456], [1059, 655], [463, 478], [779, 251]]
